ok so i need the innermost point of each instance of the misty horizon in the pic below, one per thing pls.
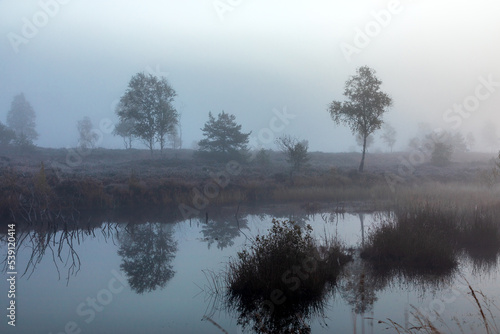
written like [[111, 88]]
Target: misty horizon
[[73, 60]]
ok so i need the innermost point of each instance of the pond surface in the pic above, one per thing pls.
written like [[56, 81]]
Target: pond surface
[[156, 278]]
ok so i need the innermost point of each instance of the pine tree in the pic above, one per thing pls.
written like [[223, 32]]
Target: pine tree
[[224, 139]]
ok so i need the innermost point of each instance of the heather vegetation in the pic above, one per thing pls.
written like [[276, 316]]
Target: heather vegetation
[[115, 179]]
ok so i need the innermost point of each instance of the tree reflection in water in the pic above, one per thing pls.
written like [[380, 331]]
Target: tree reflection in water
[[59, 241], [147, 251], [222, 229], [358, 287]]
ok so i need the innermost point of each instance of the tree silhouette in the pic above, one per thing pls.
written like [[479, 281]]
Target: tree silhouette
[[147, 251], [363, 110], [441, 154], [295, 152], [88, 137], [21, 119], [125, 129], [223, 138], [389, 135], [147, 103]]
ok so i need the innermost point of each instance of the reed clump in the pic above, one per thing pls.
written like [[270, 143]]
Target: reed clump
[[417, 238], [427, 236], [287, 265]]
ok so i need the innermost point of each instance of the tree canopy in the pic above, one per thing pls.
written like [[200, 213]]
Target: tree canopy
[[125, 129], [147, 252], [21, 119], [147, 104], [365, 105], [223, 138]]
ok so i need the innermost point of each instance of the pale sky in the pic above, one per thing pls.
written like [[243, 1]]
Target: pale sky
[[74, 58]]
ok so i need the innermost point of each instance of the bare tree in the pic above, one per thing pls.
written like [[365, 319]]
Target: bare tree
[[88, 137], [295, 152], [388, 135]]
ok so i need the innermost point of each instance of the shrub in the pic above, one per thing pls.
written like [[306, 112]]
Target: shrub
[[283, 278], [288, 260], [441, 154]]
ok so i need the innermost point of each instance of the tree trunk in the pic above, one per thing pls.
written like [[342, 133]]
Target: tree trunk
[[162, 143], [362, 163], [151, 145]]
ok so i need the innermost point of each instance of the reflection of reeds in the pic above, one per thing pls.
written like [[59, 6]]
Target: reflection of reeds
[[215, 324], [425, 235], [486, 309]]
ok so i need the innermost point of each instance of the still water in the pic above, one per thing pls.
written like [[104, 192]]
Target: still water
[[129, 277]]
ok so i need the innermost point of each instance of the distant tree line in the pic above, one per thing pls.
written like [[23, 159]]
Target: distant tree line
[[146, 112]]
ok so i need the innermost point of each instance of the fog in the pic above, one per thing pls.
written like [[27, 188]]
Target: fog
[[252, 59]]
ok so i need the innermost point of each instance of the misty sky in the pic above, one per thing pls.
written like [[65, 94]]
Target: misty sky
[[250, 57]]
